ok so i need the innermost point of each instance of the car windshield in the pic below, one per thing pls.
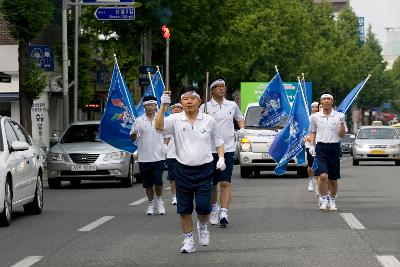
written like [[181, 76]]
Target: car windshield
[[81, 133], [347, 138], [377, 133], [253, 118]]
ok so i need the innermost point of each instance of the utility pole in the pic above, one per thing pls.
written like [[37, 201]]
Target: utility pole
[[65, 64], [76, 37]]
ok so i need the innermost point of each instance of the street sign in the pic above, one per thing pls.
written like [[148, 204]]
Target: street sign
[[43, 54], [143, 74], [361, 29], [108, 1], [115, 13]]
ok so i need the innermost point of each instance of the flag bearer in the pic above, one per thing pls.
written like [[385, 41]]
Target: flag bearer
[[224, 112], [151, 155], [193, 132], [310, 159], [171, 155], [327, 128]]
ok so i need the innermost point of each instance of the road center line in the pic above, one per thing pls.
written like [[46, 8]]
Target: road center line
[[352, 221], [95, 224], [138, 202], [28, 261], [388, 261], [167, 188]]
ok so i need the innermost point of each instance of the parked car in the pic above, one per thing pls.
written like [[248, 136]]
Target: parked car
[[80, 155], [254, 146], [346, 145], [21, 171], [376, 143]]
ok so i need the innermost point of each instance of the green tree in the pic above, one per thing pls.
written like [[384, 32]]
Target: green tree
[[26, 19]]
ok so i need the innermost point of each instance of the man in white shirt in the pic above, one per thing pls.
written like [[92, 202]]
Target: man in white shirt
[[327, 129], [224, 112], [151, 155], [193, 132], [171, 155]]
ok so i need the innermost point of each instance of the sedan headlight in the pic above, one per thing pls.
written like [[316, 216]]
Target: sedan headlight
[[114, 156], [361, 146], [396, 146], [245, 145], [55, 156]]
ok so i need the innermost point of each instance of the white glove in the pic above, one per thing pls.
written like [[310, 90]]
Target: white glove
[[240, 133], [165, 98], [312, 151], [221, 164], [342, 117]]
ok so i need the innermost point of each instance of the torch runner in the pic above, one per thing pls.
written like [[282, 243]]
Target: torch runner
[[166, 35]]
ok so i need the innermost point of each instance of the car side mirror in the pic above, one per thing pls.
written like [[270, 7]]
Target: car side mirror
[[19, 146]]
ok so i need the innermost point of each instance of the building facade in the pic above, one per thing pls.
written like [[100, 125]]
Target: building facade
[[391, 49]]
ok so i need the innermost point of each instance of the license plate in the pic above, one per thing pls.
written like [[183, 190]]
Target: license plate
[[265, 156], [83, 168], [377, 151]]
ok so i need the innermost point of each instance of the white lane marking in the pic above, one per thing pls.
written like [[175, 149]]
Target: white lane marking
[[167, 188], [95, 224], [388, 261], [352, 221], [28, 261], [138, 202]]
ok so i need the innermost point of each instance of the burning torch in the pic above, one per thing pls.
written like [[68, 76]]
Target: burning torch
[[166, 35]]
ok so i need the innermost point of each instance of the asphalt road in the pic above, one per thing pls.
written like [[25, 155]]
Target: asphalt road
[[274, 221]]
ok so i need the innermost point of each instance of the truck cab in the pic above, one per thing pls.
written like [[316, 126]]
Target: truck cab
[[254, 146]]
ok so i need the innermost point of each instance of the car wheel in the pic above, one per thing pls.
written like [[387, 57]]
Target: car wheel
[[356, 162], [128, 181], [5, 216], [302, 172], [54, 183], [37, 205], [245, 172], [75, 182], [397, 163]]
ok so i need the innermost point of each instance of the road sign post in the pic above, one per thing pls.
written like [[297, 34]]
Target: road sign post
[[115, 13]]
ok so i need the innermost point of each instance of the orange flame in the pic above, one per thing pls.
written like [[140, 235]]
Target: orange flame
[[165, 31]]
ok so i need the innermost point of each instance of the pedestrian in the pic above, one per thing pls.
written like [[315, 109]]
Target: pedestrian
[[327, 128], [193, 132], [310, 159], [171, 155], [224, 112], [151, 155]]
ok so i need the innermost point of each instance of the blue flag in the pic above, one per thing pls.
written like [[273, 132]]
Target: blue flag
[[156, 89], [351, 97], [290, 141], [274, 102], [119, 115]]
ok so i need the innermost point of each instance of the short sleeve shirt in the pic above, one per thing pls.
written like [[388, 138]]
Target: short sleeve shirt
[[193, 142], [150, 142], [171, 153], [224, 114], [326, 127]]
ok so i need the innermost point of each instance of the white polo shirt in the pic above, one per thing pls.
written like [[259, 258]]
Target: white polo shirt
[[326, 126], [224, 114], [171, 153], [193, 142], [150, 142]]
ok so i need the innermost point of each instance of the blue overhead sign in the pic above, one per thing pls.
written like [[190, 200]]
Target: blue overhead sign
[[108, 1], [115, 13], [43, 54], [361, 29]]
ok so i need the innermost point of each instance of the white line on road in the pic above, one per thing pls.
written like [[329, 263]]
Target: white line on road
[[352, 221], [138, 202], [95, 224], [167, 188], [388, 261], [28, 261]]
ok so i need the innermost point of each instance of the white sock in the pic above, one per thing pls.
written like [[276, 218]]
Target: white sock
[[203, 225], [214, 207], [188, 235], [224, 212]]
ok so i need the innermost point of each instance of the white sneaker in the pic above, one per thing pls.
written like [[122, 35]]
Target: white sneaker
[[324, 204], [188, 246], [223, 219], [174, 202], [332, 204], [311, 185], [151, 209], [160, 207], [214, 216], [204, 235]]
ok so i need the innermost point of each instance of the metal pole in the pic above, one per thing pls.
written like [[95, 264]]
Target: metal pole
[[167, 66], [65, 65], [76, 37]]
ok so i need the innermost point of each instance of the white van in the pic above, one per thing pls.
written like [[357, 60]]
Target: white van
[[254, 147]]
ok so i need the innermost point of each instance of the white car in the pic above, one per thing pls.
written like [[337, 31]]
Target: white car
[[21, 171], [254, 147]]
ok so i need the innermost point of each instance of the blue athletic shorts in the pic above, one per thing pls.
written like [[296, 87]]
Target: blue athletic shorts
[[328, 159], [193, 183], [171, 165], [151, 173], [310, 159], [225, 175]]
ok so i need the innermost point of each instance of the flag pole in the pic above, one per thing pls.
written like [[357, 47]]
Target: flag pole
[[152, 86], [302, 94], [205, 104], [366, 80], [305, 89]]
